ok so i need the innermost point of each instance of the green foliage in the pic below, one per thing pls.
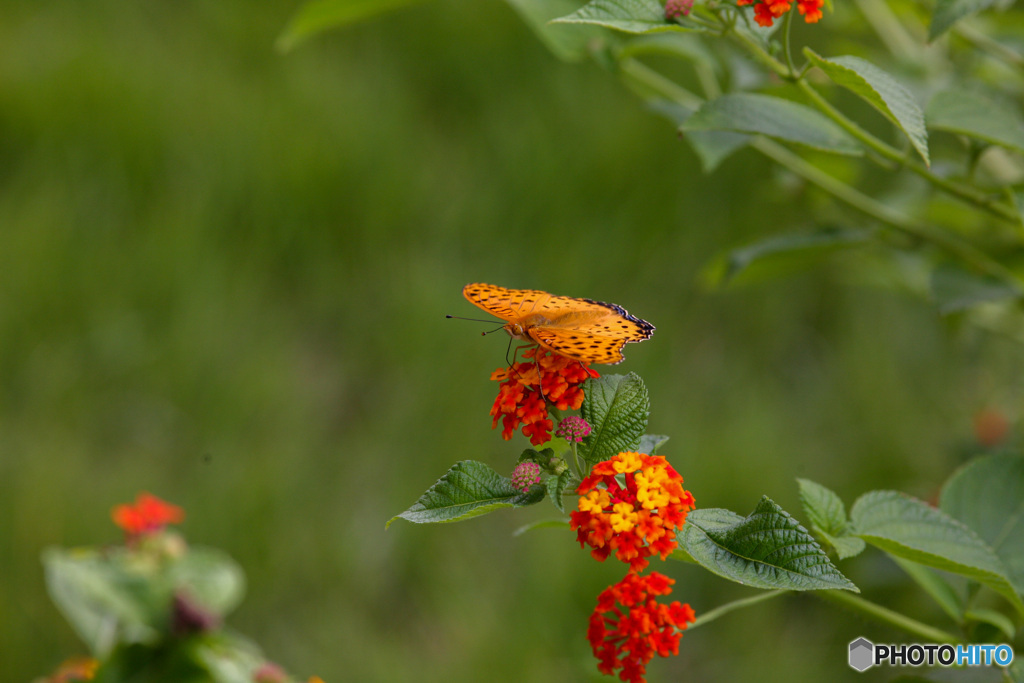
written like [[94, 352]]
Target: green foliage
[[881, 91], [828, 518], [969, 112], [467, 490], [616, 408], [320, 15], [629, 16], [767, 549], [909, 528], [987, 495], [774, 117]]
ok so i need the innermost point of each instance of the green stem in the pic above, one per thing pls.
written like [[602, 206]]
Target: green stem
[[926, 633], [896, 219], [664, 87], [968, 194], [780, 69], [721, 611], [785, 42]]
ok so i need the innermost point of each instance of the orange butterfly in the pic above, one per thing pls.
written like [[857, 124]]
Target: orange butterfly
[[582, 329]]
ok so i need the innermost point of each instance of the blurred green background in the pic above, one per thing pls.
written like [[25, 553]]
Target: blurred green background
[[223, 279]]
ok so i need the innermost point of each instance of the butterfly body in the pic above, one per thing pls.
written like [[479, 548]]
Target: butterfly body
[[582, 329]]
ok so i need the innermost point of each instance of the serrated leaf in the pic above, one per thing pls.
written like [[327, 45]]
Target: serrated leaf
[[318, 16], [948, 12], [987, 495], [767, 549], [774, 117], [568, 42], [781, 253], [106, 598], [824, 508], [827, 514], [469, 489], [881, 91], [909, 528], [616, 408], [555, 486], [972, 114], [955, 289], [650, 443], [629, 16]]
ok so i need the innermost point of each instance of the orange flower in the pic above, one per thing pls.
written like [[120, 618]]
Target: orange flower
[[524, 393], [637, 519], [628, 626], [767, 11], [148, 515]]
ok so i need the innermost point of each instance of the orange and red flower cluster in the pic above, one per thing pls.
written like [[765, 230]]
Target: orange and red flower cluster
[[636, 518], [524, 388], [148, 515], [628, 626], [767, 11]]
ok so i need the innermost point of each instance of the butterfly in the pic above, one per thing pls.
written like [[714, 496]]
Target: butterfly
[[582, 329]]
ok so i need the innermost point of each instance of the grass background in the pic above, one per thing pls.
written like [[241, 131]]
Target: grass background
[[223, 279]]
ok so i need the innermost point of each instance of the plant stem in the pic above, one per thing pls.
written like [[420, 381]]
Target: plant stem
[[722, 610], [968, 194], [992, 47], [856, 603], [785, 42], [945, 240], [896, 219]]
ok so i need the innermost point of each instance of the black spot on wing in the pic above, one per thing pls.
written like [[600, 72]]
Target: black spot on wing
[[646, 329]]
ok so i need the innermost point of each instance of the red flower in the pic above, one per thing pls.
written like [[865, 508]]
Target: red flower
[[148, 515], [636, 520], [628, 626], [767, 11], [524, 393]]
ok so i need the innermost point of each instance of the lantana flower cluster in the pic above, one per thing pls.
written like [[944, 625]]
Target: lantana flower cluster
[[629, 626], [631, 504], [767, 11], [528, 386], [147, 516]]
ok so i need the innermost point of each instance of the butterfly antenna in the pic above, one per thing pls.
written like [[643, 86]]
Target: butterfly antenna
[[477, 320]]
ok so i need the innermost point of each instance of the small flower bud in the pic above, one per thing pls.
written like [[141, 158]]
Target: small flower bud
[[572, 429], [525, 475], [676, 8]]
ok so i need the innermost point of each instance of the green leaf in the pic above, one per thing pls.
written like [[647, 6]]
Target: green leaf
[[768, 549], [109, 598], [650, 443], [210, 577], [987, 495], [712, 146], [318, 16], [555, 486], [774, 117], [955, 289], [881, 91], [616, 407], [630, 16], [937, 587], [469, 489], [686, 46], [948, 12], [972, 114], [569, 42], [1000, 621], [909, 528], [781, 253], [828, 517]]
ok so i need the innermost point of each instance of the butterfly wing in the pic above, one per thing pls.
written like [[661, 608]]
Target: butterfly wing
[[511, 305], [590, 331]]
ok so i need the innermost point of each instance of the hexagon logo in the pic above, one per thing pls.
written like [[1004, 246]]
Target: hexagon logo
[[862, 654]]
